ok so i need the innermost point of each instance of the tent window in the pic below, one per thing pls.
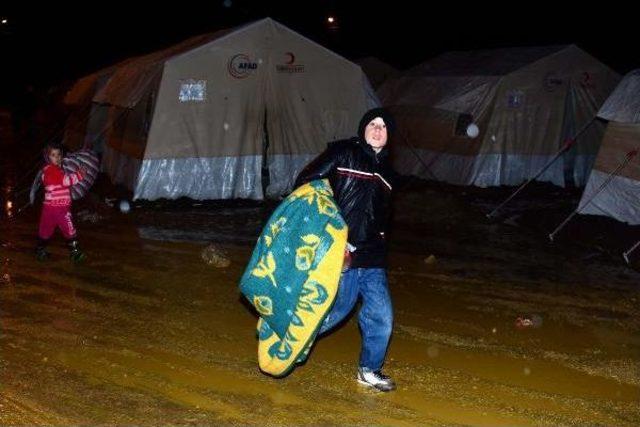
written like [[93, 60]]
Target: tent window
[[193, 91], [463, 122]]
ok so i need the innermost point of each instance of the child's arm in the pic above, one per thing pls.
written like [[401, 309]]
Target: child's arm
[[73, 178]]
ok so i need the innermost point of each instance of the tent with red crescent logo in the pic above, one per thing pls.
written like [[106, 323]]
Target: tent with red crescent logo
[[233, 114], [526, 103]]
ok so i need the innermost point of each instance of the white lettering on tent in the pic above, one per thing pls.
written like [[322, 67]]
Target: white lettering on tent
[[193, 90]]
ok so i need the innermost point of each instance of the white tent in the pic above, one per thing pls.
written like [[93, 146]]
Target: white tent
[[617, 178], [203, 119], [526, 102]]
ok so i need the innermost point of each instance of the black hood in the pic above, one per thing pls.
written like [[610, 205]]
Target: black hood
[[372, 114]]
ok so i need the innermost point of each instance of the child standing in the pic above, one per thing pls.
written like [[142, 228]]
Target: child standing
[[56, 208]]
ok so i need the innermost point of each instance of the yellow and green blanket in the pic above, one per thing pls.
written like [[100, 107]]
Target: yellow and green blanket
[[293, 275]]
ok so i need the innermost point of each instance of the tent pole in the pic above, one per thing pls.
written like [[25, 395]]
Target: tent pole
[[630, 155], [568, 144], [626, 254]]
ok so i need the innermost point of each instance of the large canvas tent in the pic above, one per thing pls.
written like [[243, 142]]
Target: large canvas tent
[[525, 101], [618, 179], [205, 119]]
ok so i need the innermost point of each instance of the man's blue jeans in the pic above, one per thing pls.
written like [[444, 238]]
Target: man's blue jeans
[[376, 314]]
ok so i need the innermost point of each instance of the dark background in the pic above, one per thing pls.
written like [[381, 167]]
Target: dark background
[[45, 45]]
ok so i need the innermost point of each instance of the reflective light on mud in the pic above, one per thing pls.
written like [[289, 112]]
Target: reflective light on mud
[[9, 208]]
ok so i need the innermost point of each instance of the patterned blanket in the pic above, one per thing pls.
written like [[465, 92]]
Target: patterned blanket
[[293, 275]]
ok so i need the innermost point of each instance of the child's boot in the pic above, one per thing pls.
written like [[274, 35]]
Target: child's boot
[[41, 250], [75, 253]]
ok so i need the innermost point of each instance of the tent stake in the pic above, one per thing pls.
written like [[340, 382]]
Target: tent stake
[[568, 144], [626, 254], [630, 155]]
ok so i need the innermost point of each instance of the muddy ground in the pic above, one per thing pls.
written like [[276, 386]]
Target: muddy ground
[[146, 333]]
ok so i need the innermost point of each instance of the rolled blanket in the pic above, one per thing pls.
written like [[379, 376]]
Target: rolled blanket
[[71, 164], [293, 275]]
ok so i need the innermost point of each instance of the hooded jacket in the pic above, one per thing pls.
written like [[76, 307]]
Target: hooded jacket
[[362, 182]]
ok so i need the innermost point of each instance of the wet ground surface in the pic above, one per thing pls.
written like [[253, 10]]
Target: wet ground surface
[[146, 333]]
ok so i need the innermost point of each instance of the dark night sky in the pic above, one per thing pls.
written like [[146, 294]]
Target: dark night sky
[[48, 45]]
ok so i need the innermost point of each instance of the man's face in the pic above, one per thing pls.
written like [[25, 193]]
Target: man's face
[[55, 157], [375, 133]]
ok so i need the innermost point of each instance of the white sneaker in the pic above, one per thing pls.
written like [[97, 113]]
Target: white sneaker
[[376, 380]]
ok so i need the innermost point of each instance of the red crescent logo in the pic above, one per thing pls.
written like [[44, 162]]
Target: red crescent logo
[[292, 58]]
